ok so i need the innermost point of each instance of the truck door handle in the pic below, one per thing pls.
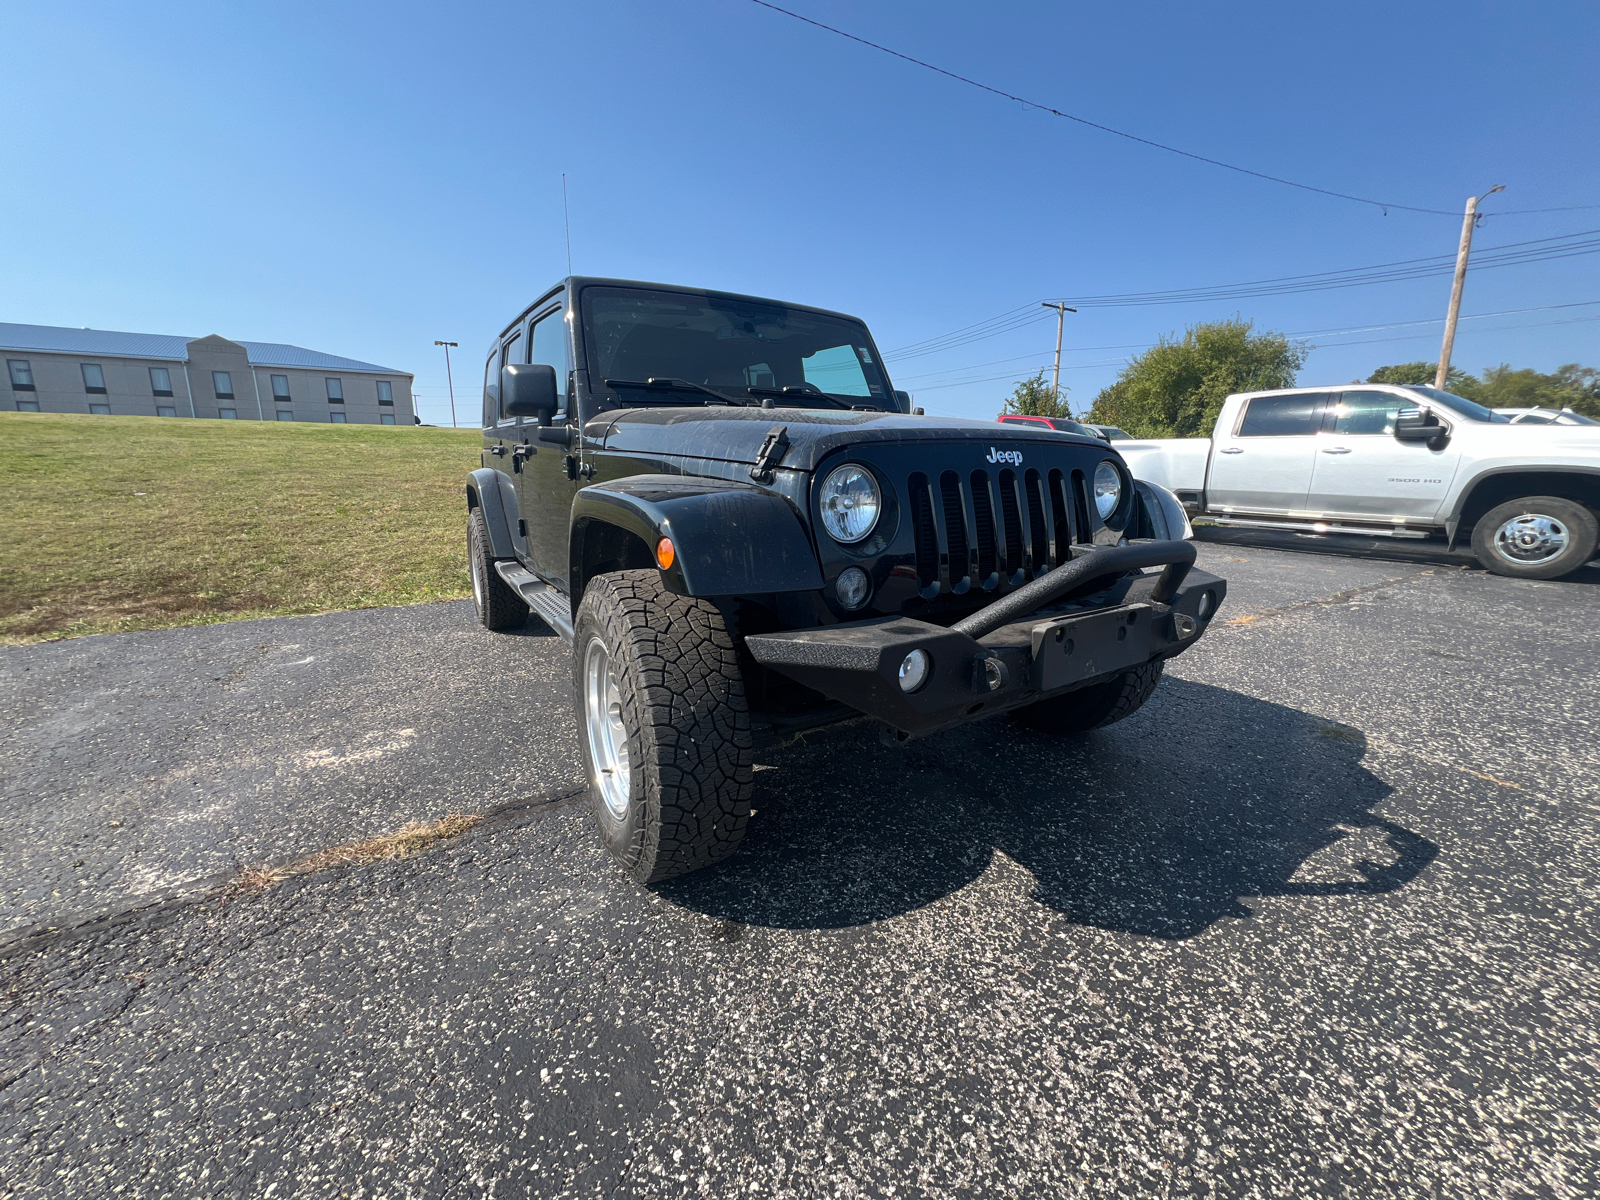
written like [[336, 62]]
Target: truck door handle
[[1336, 449], [1231, 450]]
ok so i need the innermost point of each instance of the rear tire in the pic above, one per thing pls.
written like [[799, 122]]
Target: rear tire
[[1536, 537], [494, 601], [663, 725], [1093, 707]]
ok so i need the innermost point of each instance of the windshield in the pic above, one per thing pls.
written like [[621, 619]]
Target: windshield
[[742, 348], [1461, 406]]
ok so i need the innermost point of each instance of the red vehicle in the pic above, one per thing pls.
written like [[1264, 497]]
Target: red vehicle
[[1059, 424]]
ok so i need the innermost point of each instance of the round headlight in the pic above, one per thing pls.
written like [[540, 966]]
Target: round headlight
[[1107, 489], [850, 503]]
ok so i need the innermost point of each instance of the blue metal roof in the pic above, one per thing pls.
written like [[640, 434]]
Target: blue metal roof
[[108, 343]]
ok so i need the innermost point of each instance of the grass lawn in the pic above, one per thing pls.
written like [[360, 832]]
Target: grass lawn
[[114, 523]]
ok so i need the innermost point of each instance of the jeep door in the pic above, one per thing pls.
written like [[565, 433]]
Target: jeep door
[[547, 470], [1263, 464], [1362, 471]]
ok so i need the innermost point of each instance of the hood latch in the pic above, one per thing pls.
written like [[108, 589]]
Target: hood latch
[[773, 448]]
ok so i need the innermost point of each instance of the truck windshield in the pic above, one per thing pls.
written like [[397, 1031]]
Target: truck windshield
[[742, 347], [1461, 406]]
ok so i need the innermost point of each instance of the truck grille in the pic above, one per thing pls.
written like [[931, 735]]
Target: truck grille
[[993, 532]]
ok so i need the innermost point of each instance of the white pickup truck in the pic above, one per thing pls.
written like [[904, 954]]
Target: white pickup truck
[[1405, 462]]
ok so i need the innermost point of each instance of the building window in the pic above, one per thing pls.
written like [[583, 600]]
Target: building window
[[280, 388], [94, 379], [21, 376], [228, 414], [222, 385], [385, 418], [166, 410], [160, 381], [100, 410], [335, 391], [27, 406], [336, 418], [385, 392], [285, 415]]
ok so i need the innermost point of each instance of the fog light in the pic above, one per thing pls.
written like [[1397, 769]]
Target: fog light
[[852, 587], [914, 670], [1208, 604]]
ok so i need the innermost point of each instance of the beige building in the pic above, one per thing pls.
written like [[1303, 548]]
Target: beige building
[[53, 369]]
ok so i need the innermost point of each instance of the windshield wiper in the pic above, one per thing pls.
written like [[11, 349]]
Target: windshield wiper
[[672, 383], [791, 390]]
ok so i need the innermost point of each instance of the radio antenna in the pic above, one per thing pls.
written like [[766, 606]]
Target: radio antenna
[[566, 217]]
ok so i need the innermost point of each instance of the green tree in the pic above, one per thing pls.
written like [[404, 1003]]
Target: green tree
[[1570, 386], [1458, 381], [1036, 398], [1176, 388]]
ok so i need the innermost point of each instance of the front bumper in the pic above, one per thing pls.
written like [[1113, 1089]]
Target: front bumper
[[1056, 649]]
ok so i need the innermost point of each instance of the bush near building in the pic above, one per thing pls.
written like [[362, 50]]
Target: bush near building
[[117, 523]]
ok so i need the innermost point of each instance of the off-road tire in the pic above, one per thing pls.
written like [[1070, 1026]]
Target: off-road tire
[[1093, 707], [497, 605], [1582, 530], [686, 724]]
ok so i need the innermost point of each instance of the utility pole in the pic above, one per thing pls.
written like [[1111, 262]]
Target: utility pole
[[1061, 317], [449, 380], [1467, 223]]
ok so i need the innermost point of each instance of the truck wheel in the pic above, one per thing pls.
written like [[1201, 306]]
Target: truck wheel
[[497, 606], [1093, 707], [663, 724], [1536, 537]]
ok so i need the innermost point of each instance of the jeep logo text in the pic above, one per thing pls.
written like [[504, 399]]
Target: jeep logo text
[[1014, 457]]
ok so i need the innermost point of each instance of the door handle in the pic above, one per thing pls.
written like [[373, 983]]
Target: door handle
[[497, 449], [1231, 450], [1336, 449]]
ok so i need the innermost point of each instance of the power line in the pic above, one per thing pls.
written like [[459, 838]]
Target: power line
[[1132, 137], [1510, 254]]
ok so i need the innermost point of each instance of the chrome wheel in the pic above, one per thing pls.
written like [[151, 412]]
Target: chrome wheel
[[1531, 539], [602, 722]]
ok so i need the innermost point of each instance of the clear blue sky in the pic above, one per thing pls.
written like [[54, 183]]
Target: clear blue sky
[[365, 178]]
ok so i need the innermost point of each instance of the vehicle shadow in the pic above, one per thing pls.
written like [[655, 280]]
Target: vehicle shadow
[[1158, 826]]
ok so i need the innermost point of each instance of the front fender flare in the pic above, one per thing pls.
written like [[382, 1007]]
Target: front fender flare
[[493, 492], [729, 538]]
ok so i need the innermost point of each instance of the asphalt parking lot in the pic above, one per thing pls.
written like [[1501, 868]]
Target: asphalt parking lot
[[1319, 921]]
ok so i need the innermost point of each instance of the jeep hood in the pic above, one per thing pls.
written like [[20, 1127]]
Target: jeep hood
[[736, 434]]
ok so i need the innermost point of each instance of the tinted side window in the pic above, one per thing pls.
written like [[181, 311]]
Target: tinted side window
[[491, 389], [549, 346], [1283, 416], [1367, 412]]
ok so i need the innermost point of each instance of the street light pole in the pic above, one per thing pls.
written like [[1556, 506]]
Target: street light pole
[[449, 380], [1061, 316], [1465, 249]]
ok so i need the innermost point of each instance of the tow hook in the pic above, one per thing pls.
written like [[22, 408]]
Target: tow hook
[[989, 672]]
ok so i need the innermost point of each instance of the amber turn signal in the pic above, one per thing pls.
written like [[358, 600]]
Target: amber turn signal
[[665, 554]]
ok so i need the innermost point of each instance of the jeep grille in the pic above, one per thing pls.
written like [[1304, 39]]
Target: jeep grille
[[992, 532]]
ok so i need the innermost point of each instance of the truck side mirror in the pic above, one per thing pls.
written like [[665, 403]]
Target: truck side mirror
[[528, 390], [902, 401], [1420, 425]]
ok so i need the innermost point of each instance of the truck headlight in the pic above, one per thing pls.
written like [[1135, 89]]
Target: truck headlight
[[850, 503], [1107, 489]]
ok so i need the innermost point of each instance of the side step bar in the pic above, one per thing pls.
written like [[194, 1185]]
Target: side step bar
[[549, 605], [1394, 531]]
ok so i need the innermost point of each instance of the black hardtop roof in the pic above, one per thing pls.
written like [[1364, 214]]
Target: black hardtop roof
[[578, 282]]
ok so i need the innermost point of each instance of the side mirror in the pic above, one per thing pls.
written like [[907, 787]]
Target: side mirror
[[903, 401], [1420, 425], [528, 390]]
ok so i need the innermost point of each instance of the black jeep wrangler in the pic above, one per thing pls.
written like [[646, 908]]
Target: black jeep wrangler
[[726, 509]]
